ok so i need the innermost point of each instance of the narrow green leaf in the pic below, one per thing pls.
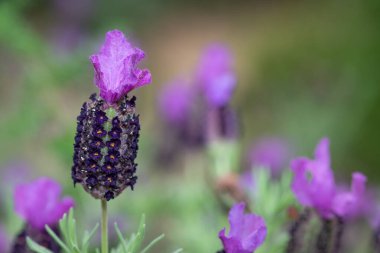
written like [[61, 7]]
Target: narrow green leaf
[[36, 247], [76, 249], [84, 243], [140, 235], [87, 237], [63, 227], [121, 238], [178, 250], [130, 243], [152, 243], [71, 230], [74, 232], [57, 239], [118, 249]]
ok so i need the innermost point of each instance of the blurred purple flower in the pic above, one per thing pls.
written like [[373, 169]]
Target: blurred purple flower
[[314, 186], [4, 244], [247, 231], [216, 75], [313, 182], [115, 65], [39, 203], [374, 215], [273, 153], [68, 29], [14, 173], [175, 101], [73, 10]]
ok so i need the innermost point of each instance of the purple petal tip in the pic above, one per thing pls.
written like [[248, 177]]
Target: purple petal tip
[[39, 202], [247, 231]]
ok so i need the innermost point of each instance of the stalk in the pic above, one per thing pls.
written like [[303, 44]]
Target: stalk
[[104, 225]]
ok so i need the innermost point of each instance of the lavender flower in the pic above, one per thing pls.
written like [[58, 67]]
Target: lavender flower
[[106, 141], [247, 231], [175, 102], [39, 203], [115, 65], [216, 75], [314, 186], [273, 153]]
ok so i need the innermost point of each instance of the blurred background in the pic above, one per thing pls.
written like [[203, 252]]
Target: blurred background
[[305, 69]]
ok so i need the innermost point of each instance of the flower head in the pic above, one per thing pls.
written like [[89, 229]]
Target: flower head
[[39, 203], [247, 231], [175, 102], [115, 66], [273, 153], [216, 75], [314, 185]]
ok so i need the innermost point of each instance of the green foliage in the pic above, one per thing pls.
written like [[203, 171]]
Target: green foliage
[[133, 244], [36, 247], [270, 198], [224, 156], [68, 240]]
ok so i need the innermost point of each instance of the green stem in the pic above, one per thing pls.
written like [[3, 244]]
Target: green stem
[[104, 224]]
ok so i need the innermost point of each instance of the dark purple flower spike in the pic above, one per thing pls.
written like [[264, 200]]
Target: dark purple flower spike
[[104, 154], [247, 231], [39, 236]]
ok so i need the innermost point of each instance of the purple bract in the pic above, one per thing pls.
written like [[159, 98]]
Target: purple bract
[[175, 101], [115, 65], [39, 203], [355, 202], [314, 186], [272, 153], [247, 231]]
